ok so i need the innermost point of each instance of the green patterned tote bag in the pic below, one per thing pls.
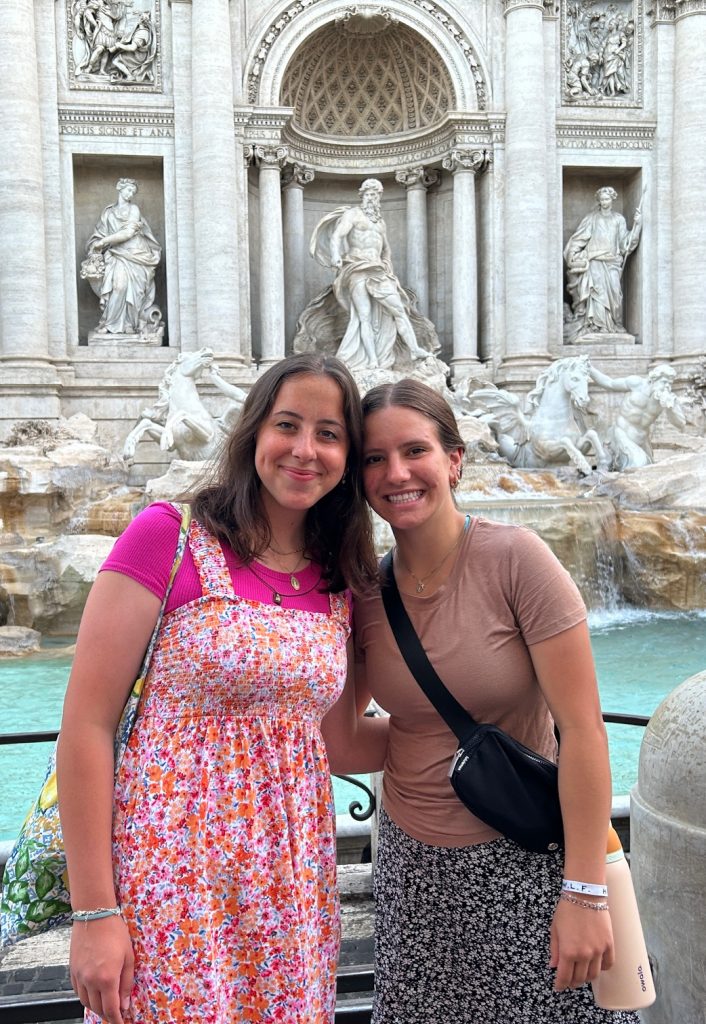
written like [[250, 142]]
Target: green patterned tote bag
[[35, 893]]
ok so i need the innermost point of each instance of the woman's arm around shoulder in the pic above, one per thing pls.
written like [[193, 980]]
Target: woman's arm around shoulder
[[117, 622], [354, 742], [581, 940]]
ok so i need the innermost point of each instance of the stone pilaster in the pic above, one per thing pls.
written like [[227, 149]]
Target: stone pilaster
[[271, 160], [689, 180], [526, 201], [214, 180], [464, 163], [28, 381], [184, 196], [294, 180], [416, 181]]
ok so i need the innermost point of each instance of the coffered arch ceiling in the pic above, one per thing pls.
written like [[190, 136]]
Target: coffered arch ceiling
[[366, 76]]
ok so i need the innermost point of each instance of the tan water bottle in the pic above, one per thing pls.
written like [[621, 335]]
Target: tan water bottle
[[628, 984]]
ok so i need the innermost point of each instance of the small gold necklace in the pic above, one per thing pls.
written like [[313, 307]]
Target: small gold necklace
[[421, 581], [294, 582], [276, 596]]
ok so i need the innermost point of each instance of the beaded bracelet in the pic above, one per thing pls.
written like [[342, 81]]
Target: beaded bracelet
[[95, 915], [585, 888], [582, 903]]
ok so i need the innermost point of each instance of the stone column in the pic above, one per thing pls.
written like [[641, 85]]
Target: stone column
[[23, 280], [270, 160], [526, 201], [463, 164], [46, 13], [184, 192], [417, 180], [295, 250], [214, 180], [689, 180]]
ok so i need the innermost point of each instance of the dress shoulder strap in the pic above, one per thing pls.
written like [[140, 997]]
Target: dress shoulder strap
[[210, 562]]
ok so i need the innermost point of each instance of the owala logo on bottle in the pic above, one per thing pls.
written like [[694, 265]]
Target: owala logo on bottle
[[641, 976]]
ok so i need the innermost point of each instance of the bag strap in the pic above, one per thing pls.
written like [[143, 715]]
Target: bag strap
[[453, 713], [185, 510], [129, 713]]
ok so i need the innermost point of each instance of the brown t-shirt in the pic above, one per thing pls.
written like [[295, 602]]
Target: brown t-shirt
[[506, 590]]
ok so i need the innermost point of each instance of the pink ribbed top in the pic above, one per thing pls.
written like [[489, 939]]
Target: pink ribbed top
[[145, 552]]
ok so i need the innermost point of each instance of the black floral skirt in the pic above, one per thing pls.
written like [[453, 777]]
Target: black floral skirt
[[462, 936]]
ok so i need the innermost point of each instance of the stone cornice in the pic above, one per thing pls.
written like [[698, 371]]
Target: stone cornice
[[386, 154], [127, 122], [605, 135]]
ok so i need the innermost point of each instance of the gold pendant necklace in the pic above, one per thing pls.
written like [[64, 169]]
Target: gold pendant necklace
[[421, 581], [296, 585], [293, 581]]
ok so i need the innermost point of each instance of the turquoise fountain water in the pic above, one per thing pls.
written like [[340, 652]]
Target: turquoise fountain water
[[640, 656]]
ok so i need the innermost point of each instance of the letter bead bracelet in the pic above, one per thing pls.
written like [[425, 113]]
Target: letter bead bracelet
[[95, 915], [584, 888]]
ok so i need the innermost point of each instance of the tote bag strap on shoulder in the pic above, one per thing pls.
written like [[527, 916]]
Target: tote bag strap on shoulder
[[453, 713]]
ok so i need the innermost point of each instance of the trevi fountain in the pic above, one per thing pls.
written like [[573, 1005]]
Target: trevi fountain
[[503, 198]]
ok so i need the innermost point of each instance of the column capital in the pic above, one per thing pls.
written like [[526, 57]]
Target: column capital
[[268, 156], [416, 177], [297, 176], [512, 5], [476, 160], [683, 8]]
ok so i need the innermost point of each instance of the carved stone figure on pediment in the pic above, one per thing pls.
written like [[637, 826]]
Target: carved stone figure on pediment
[[122, 255], [113, 44], [383, 325], [179, 421], [595, 258], [646, 398], [599, 51]]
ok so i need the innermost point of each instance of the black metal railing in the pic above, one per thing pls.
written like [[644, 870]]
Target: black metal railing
[[357, 810], [31, 1007]]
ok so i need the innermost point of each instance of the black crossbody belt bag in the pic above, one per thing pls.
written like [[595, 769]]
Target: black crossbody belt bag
[[504, 783]]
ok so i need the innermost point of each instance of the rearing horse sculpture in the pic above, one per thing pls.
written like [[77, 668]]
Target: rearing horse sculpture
[[178, 420], [550, 430]]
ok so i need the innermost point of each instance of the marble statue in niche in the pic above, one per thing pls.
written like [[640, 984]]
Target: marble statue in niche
[[382, 325], [646, 398], [595, 258], [112, 44], [599, 51], [122, 255]]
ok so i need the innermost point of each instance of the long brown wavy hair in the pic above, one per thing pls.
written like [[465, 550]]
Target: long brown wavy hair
[[338, 531]]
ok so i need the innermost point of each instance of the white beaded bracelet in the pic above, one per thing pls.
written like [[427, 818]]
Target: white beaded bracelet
[[587, 888], [95, 915]]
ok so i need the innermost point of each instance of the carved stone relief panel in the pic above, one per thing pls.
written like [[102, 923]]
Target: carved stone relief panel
[[114, 44], [601, 52]]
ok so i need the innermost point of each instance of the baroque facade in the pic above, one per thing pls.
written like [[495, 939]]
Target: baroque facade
[[233, 126]]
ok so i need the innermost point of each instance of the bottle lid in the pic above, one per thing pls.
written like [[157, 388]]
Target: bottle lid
[[613, 845]]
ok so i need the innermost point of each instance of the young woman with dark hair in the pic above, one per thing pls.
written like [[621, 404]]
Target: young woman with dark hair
[[203, 879]]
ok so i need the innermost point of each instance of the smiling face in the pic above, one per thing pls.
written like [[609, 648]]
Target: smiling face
[[407, 475], [301, 446]]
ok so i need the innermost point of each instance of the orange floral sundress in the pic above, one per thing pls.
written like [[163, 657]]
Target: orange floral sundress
[[224, 828]]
